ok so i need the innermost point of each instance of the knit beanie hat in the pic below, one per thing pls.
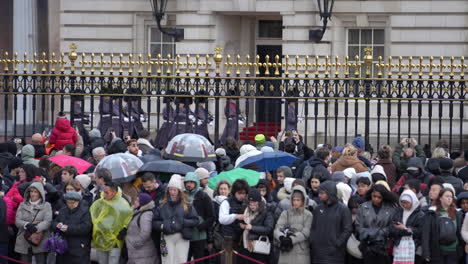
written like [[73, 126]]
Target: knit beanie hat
[[84, 180], [207, 165], [445, 164], [287, 172], [202, 173], [76, 196], [144, 199], [94, 133], [15, 163], [220, 152], [358, 142], [176, 181], [350, 173], [254, 195], [338, 176], [260, 140]]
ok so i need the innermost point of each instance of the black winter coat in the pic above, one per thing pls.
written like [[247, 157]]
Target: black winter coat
[[170, 218], [204, 207], [430, 237], [318, 165], [3, 225], [78, 235], [331, 228], [415, 222], [262, 225]]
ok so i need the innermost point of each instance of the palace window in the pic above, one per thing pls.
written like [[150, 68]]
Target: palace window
[[359, 39]]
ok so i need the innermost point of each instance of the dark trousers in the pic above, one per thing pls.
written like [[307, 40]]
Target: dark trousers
[[449, 258], [197, 250], [373, 259], [3, 252]]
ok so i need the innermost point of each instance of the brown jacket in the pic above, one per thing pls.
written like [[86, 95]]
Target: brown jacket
[[349, 162], [390, 171]]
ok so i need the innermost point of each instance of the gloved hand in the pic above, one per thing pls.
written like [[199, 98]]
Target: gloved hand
[[31, 228], [288, 242], [125, 119], [122, 234]]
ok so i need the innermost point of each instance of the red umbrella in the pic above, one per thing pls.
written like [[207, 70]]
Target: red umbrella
[[64, 160]]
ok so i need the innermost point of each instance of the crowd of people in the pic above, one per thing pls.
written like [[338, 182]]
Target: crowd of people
[[335, 204]]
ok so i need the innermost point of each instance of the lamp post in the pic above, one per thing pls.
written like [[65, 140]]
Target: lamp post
[[159, 10], [325, 10]]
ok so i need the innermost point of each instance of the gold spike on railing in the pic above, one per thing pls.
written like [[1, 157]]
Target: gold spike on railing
[[16, 61], [462, 66], [441, 66], [307, 65], [316, 65], [327, 66], [347, 65], [5, 62], [83, 62], [159, 64], [92, 63], [286, 65], [400, 66], [337, 65], [238, 64], [257, 65], [62, 62], [44, 62], [267, 65], [277, 65], [431, 66], [197, 64], [140, 63], [72, 56], [111, 63], [368, 60], [25, 62], [296, 65], [389, 66], [380, 65], [208, 64], [247, 65], [131, 63], [35, 61], [120, 63], [177, 64], [168, 63], [218, 58], [149, 64], [421, 66], [410, 66], [452, 67], [228, 64], [188, 64], [357, 65]]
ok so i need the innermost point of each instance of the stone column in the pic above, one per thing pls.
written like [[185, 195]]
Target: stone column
[[24, 40]]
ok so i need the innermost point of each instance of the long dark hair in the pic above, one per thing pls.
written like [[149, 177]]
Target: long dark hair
[[452, 210], [30, 171], [388, 196]]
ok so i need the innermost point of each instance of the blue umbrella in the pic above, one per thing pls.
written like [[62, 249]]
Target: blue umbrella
[[268, 161]]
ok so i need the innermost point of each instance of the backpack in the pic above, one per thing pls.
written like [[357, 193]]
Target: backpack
[[447, 231], [307, 172]]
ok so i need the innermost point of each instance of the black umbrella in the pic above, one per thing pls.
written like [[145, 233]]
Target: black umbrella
[[166, 166]]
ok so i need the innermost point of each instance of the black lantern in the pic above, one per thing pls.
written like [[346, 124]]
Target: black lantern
[[325, 10], [159, 10]]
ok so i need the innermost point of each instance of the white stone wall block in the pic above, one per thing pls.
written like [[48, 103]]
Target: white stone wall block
[[95, 19], [96, 33]]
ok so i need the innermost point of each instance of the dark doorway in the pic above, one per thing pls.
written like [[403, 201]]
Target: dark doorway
[[269, 110]]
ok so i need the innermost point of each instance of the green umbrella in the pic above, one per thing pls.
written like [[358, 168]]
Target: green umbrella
[[252, 177]]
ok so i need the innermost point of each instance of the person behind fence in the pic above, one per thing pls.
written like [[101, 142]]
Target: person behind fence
[[373, 223], [233, 116], [407, 149], [331, 227], [175, 218], [140, 246], [33, 219], [79, 118], [292, 230], [258, 226], [63, 133], [134, 111], [73, 223], [441, 237], [110, 215], [182, 117], [203, 117], [406, 229], [168, 113]]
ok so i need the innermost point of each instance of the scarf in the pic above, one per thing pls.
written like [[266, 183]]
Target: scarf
[[248, 217]]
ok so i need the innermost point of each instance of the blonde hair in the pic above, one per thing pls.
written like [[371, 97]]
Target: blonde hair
[[182, 197], [349, 151], [439, 153]]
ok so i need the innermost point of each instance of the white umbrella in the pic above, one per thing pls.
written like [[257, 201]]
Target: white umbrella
[[123, 166]]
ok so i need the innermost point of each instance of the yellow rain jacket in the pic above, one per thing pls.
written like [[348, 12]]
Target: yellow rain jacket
[[109, 218]]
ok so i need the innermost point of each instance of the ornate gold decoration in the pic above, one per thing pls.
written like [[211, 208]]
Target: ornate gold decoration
[[72, 56], [380, 65], [247, 65], [356, 65], [44, 62], [368, 60], [441, 66], [218, 58], [286, 67], [277, 65], [267, 65], [228, 64], [389, 66], [257, 65], [307, 65], [238, 64], [410, 66], [421, 66], [296, 65]]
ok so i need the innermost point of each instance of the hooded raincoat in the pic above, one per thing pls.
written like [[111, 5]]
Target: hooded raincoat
[[63, 134], [422, 175], [40, 213], [109, 218], [27, 155]]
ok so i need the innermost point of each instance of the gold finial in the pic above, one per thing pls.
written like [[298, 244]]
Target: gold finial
[[121, 63], [257, 65], [62, 62], [218, 58], [462, 66], [347, 65], [296, 65], [159, 64], [286, 67], [83, 62], [197, 64], [208, 64], [380, 65], [357, 65], [410, 66], [16, 61], [421, 66], [277, 65], [44, 62], [307, 65], [187, 64], [247, 65], [168, 64], [267, 65], [327, 65], [431, 66], [228, 64], [92, 62], [441, 66], [111, 63], [131, 63], [25, 62], [452, 66], [149, 64], [101, 63], [390, 66], [368, 60], [5, 61], [72, 56], [337, 65], [140, 63], [34, 62], [238, 64], [177, 63], [316, 65]]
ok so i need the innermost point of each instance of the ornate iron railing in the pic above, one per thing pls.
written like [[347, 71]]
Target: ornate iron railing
[[338, 98]]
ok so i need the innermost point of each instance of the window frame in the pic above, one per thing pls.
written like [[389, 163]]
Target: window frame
[[361, 46]]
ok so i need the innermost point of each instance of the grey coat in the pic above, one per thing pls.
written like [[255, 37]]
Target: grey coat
[[140, 246], [300, 223], [26, 213]]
